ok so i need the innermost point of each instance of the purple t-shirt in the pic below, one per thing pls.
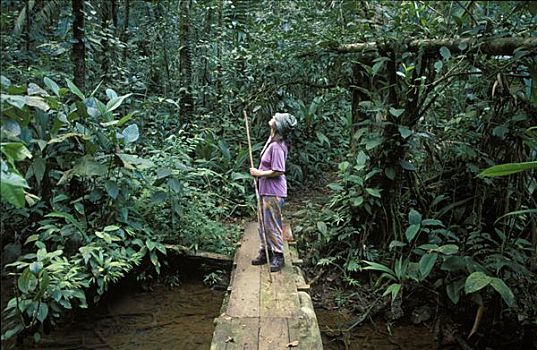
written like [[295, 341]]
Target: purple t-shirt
[[274, 159]]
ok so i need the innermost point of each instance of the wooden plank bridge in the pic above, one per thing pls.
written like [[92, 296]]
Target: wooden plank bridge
[[259, 315]]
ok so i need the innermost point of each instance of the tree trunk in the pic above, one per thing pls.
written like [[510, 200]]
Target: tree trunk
[[79, 51], [113, 8], [27, 30], [218, 73], [125, 33], [105, 21], [185, 59]]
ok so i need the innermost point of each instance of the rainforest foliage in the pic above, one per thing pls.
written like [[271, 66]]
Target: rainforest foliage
[[122, 132]]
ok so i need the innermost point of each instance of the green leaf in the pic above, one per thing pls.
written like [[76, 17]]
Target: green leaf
[[39, 166], [378, 267], [390, 173], [111, 188], [36, 266], [34, 89], [31, 238], [395, 244], [75, 90], [411, 232], [153, 257], [445, 53], [335, 187], [426, 264], [150, 245], [404, 131], [44, 283], [51, 84], [125, 119], [373, 192], [414, 217], [110, 228], [129, 161], [5, 81], [111, 94], [131, 133], [14, 100], [322, 138], [517, 213], [432, 222], [475, 282], [12, 189], [321, 226], [448, 249], [115, 103], [504, 290], [15, 151], [357, 201], [394, 289], [37, 337], [396, 112], [13, 331], [507, 169], [42, 311], [87, 166], [370, 144], [438, 65], [27, 281], [453, 290], [407, 165], [67, 217]]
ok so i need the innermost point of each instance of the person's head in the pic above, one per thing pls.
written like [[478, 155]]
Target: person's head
[[282, 124]]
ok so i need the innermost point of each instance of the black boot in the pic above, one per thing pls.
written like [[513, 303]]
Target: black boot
[[277, 262], [261, 258]]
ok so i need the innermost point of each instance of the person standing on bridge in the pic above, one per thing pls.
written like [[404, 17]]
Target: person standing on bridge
[[273, 189]]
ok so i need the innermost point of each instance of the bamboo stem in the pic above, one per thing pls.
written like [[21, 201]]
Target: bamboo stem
[[259, 207]]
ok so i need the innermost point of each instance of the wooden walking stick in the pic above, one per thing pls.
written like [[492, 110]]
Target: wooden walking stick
[[258, 197]]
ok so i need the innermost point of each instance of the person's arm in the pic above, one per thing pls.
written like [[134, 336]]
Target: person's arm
[[264, 173]]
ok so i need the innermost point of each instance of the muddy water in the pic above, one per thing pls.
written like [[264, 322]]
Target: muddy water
[[165, 318], [182, 318], [370, 336]]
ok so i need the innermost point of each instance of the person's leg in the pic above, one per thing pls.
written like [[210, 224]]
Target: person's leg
[[274, 228], [261, 258]]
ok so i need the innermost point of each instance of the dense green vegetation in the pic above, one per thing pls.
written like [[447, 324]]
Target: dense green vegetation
[[122, 132]]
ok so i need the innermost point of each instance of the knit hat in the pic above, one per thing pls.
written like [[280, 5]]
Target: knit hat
[[285, 122]]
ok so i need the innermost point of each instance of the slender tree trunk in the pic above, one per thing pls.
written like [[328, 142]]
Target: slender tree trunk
[[79, 51], [125, 34], [27, 29], [105, 21], [113, 8], [218, 75], [185, 59]]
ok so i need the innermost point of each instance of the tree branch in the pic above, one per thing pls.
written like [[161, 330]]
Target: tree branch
[[431, 47]]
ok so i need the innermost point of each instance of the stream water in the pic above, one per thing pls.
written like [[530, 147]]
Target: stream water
[[182, 317], [164, 318]]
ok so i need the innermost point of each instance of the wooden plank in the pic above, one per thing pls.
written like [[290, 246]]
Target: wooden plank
[[294, 255], [245, 334], [279, 298], [222, 333], [273, 333], [244, 298], [304, 327], [301, 330]]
